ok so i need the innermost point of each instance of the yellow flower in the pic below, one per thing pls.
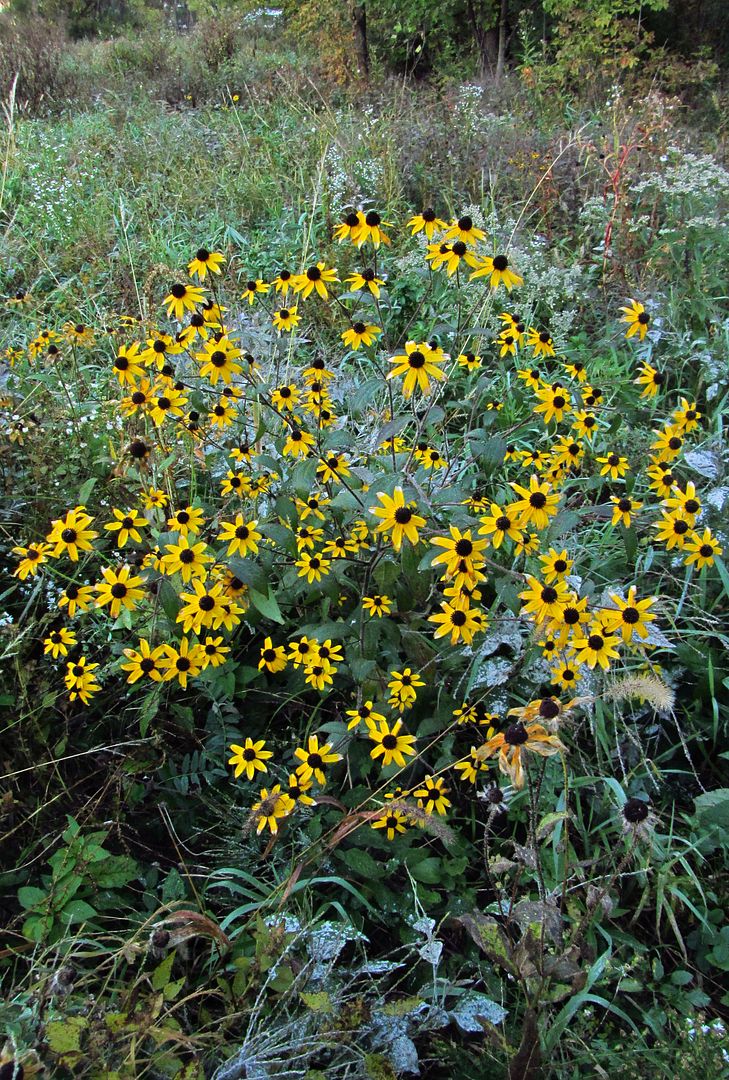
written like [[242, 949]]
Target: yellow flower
[[190, 519], [426, 222], [432, 795], [377, 605], [205, 261], [390, 745], [144, 661], [218, 360], [370, 228], [128, 365], [316, 277], [119, 590], [554, 403], [254, 287], [58, 642], [631, 616], [540, 342], [686, 502], [80, 679], [398, 518], [623, 507], [249, 758], [203, 607], [360, 334], [497, 270], [76, 598], [127, 526], [365, 712], [182, 664], [313, 566], [464, 229], [460, 555], [613, 465], [365, 279], [240, 535], [597, 647], [501, 523], [31, 558], [637, 319], [703, 549], [72, 534], [183, 298], [286, 318], [456, 620], [273, 657], [511, 744], [542, 601], [314, 758], [271, 807], [537, 504], [419, 364], [650, 378], [154, 499], [185, 559], [393, 822]]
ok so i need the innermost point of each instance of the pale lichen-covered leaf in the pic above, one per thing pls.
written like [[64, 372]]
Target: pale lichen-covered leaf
[[472, 1008]]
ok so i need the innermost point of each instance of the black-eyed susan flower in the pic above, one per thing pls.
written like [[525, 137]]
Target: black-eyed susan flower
[[398, 518], [457, 547], [702, 549], [271, 808], [80, 680], [540, 341], [203, 607], [377, 605], [469, 767], [569, 619], [497, 270], [282, 281], [166, 402], [286, 318], [427, 222], [597, 647], [79, 333], [613, 465], [507, 342], [217, 360], [469, 360], [465, 230], [432, 795], [371, 230], [668, 444], [273, 657], [32, 558], [419, 364], [340, 547], [630, 617], [674, 530], [650, 378], [71, 534], [315, 277], [188, 519], [139, 400], [205, 262], [365, 279], [637, 318], [182, 298], [76, 598], [254, 287], [537, 503], [128, 365], [308, 537], [222, 415], [240, 535], [457, 252], [361, 333], [393, 821], [299, 789], [576, 370], [188, 560], [312, 566], [501, 523], [566, 675], [319, 674], [249, 758], [687, 502], [154, 499], [555, 565], [585, 423], [366, 714], [349, 227], [511, 744], [532, 376], [332, 468], [554, 402], [304, 651], [543, 601], [126, 525], [686, 417], [390, 745], [59, 642], [457, 620], [403, 687], [183, 663], [285, 396], [144, 661], [623, 509], [119, 589], [314, 759]]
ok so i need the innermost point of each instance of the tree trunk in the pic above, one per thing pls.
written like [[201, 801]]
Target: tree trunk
[[501, 57], [359, 27]]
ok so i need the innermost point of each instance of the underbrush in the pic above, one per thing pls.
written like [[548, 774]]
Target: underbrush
[[364, 639]]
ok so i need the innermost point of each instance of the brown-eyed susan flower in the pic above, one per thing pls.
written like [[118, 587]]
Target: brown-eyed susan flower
[[508, 343], [511, 744], [31, 559], [637, 318], [686, 417], [566, 675], [313, 566], [366, 714], [308, 537], [463, 229], [349, 227], [299, 789], [554, 402], [469, 360], [398, 518], [159, 347], [613, 465], [403, 687], [126, 525], [427, 222], [254, 287], [501, 523], [282, 281], [79, 333], [315, 277], [569, 619], [585, 423], [457, 620], [186, 559], [361, 333], [332, 468], [543, 601], [205, 262], [285, 396], [540, 341], [144, 661], [80, 680], [183, 663], [532, 376], [59, 642], [650, 378], [668, 444], [71, 534], [214, 651], [271, 807], [240, 535], [249, 758], [314, 759], [119, 589], [371, 230], [286, 318], [662, 480], [686, 503], [365, 279], [273, 657], [393, 821], [537, 503], [128, 364], [457, 547], [154, 499], [218, 360], [166, 402], [674, 530], [189, 519], [702, 549], [76, 598], [432, 795], [139, 400], [377, 605], [390, 745], [419, 364], [630, 617], [623, 509], [555, 565], [222, 415], [319, 674], [304, 651], [576, 370], [339, 547], [203, 607], [598, 647], [182, 298], [497, 270], [457, 252]]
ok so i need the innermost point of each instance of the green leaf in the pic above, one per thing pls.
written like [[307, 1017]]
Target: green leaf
[[249, 572], [429, 871], [361, 863], [31, 897], [64, 1036], [712, 807], [78, 911], [161, 974], [267, 605], [319, 1002]]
